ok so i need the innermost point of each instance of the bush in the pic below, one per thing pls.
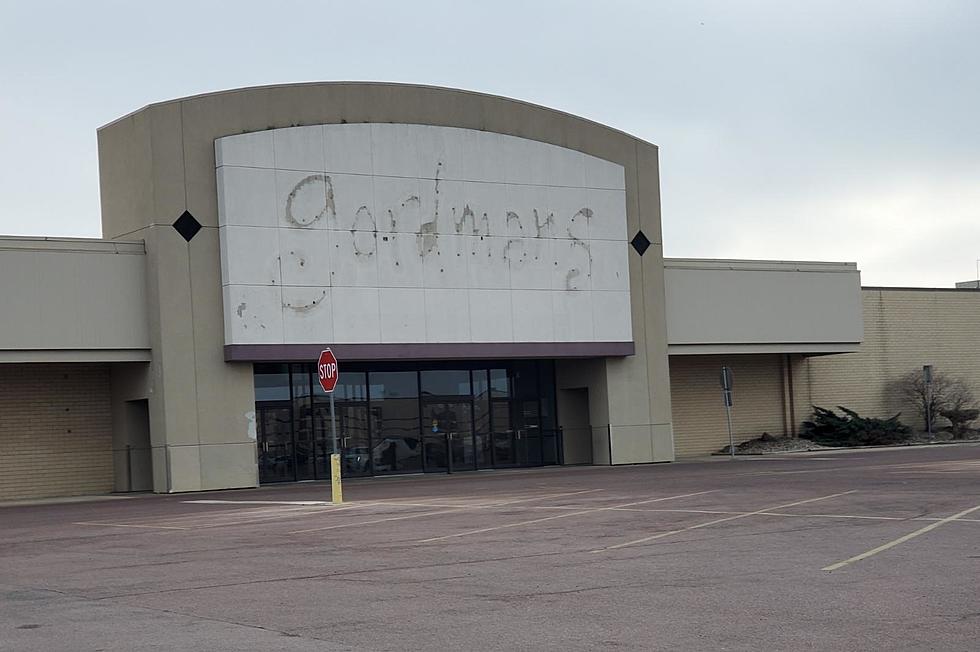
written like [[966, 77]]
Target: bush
[[959, 419], [948, 397], [851, 429]]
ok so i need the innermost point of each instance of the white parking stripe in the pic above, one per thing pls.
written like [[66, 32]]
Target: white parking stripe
[[257, 502], [662, 535], [463, 508], [557, 516], [900, 540]]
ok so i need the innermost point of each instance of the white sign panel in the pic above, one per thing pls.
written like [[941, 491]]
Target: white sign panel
[[424, 235]]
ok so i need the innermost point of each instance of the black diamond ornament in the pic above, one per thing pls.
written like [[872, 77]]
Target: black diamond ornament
[[640, 243], [187, 226]]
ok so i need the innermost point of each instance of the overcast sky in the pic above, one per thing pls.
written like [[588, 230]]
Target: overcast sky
[[787, 130]]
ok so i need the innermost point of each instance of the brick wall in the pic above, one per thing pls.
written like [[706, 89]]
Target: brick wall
[[903, 330], [55, 430], [700, 426]]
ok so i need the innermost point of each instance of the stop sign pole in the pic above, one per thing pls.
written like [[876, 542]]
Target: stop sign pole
[[328, 373]]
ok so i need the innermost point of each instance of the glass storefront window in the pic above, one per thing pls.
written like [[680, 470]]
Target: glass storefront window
[[271, 382], [351, 386], [549, 420], [303, 423], [400, 418], [481, 419], [500, 383], [353, 434], [395, 423], [525, 379], [446, 382]]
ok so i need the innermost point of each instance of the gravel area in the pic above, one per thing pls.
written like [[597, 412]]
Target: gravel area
[[771, 444], [943, 437]]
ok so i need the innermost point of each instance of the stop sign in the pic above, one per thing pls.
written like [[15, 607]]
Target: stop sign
[[327, 370]]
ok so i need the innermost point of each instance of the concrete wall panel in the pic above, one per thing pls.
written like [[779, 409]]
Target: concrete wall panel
[[739, 303], [531, 209], [73, 294]]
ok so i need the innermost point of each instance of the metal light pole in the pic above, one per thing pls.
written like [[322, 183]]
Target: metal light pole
[[927, 381], [726, 392]]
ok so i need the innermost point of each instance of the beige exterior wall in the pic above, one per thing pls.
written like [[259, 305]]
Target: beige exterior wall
[[72, 300], [700, 427], [55, 430], [762, 306], [904, 330], [160, 161]]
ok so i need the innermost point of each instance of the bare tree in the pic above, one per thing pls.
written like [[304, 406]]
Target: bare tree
[[947, 397]]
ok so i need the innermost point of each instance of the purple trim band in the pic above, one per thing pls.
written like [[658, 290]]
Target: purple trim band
[[456, 351]]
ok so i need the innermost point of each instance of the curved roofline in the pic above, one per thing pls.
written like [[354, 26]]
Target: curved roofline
[[450, 89]]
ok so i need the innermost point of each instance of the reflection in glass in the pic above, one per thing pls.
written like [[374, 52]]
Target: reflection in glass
[[353, 435], [483, 440], [445, 382], [524, 379], [528, 451], [500, 383], [273, 416], [303, 422], [395, 421], [275, 439], [402, 419], [504, 436], [351, 386], [447, 422], [548, 418], [271, 382]]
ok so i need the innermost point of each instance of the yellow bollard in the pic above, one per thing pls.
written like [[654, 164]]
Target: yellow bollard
[[336, 491]]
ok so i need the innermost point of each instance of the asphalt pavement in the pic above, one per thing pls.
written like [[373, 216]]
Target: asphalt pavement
[[868, 549]]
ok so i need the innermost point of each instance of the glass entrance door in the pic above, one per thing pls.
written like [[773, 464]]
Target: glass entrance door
[[448, 435], [447, 419], [394, 421], [275, 442], [353, 441], [504, 435], [528, 443], [353, 433], [517, 439]]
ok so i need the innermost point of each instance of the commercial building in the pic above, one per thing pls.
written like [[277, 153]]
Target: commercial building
[[489, 272]]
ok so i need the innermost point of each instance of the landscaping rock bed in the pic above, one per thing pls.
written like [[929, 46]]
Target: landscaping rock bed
[[944, 437], [770, 444]]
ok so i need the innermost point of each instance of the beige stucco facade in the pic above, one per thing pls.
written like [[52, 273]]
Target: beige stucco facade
[[762, 306], [73, 300], [160, 161]]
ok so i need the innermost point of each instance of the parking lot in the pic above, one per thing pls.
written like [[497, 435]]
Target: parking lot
[[824, 551]]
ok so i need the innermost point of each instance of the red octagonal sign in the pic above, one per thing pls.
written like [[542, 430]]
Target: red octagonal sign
[[327, 370]]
